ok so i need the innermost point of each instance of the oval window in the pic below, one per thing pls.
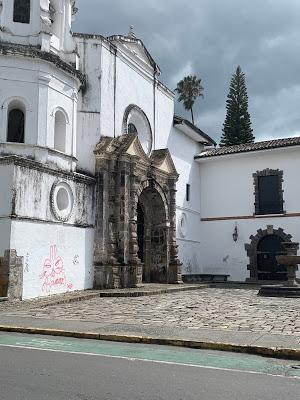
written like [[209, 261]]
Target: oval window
[[62, 201]]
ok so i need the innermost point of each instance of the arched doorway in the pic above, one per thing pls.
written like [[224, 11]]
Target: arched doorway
[[267, 267], [265, 245], [152, 236], [135, 235]]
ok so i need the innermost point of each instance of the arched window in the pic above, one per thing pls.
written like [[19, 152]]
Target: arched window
[[22, 11], [60, 130], [15, 126]]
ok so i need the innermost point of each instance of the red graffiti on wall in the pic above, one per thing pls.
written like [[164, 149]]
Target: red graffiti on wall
[[53, 271]]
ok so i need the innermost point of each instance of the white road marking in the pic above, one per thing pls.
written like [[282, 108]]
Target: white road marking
[[150, 361]]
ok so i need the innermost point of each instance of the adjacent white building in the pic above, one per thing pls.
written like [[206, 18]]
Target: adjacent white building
[[249, 205], [91, 156]]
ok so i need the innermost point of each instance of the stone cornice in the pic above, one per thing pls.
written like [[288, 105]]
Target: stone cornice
[[46, 221], [8, 49], [31, 164]]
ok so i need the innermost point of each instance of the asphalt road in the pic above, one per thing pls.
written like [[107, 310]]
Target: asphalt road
[[38, 368]]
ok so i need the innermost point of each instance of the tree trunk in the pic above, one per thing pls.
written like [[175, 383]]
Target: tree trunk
[[192, 115]]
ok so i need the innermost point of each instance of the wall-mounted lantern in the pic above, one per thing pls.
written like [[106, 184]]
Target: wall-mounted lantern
[[235, 234]]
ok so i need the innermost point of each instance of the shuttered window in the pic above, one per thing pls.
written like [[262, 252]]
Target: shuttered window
[[269, 195]]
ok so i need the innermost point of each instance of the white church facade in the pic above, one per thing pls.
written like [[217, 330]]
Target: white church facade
[[102, 186]]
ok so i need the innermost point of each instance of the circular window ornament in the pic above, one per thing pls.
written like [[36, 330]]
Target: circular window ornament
[[136, 121], [62, 201], [183, 225]]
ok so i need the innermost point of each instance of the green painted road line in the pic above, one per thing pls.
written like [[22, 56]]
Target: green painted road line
[[200, 358]]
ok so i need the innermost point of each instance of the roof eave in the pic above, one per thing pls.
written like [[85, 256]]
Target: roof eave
[[200, 158], [193, 131]]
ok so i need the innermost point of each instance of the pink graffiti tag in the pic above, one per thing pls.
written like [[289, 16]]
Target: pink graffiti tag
[[53, 271]]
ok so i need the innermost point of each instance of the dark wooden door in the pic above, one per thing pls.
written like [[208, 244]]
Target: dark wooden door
[[267, 267]]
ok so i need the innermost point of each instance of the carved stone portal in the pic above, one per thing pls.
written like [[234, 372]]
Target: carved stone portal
[[135, 238]]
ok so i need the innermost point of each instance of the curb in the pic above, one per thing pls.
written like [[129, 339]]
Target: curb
[[88, 296], [153, 292], [275, 352]]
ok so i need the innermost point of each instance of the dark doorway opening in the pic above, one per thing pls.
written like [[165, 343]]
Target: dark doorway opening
[[140, 232], [152, 236], [267, 267]]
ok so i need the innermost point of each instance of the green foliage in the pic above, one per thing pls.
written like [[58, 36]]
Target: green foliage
[[189, 89], [237, 126]]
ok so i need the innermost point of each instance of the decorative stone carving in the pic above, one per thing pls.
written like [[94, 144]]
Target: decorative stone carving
[[126, 177]]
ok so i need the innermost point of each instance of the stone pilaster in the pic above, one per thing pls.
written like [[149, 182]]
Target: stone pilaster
[[134, 261], [123, 221], [175, 265]]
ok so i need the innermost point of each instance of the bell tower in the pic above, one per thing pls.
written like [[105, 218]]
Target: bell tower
[[42, 23]]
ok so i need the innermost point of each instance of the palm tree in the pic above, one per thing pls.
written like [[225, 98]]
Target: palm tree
[[189, 89]]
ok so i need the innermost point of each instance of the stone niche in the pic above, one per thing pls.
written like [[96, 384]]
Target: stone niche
[[135, 238]]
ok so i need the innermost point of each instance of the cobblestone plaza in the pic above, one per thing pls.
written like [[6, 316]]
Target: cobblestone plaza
[[214, 308]]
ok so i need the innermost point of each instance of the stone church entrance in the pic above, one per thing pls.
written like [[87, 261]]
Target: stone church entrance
[[135, 234], [152, 235]]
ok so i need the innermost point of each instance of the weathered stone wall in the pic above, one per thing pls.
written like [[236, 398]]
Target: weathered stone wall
[[11, 275]]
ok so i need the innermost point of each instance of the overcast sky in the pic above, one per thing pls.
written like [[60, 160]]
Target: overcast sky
[[209, 38]]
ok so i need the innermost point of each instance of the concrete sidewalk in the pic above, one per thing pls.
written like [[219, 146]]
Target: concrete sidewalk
[[279, 346], [226, 318]]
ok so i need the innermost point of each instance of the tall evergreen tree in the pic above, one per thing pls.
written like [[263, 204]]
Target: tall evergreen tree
[[189, 89], [237, 126]]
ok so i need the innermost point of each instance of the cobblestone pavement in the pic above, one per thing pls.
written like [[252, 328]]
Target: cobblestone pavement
[[213, 308]]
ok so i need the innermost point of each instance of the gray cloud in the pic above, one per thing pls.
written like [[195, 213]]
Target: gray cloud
[[210, 38]]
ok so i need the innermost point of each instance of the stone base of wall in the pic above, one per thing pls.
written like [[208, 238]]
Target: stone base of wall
[[129, 276], [11, 275], [175, 273], [117, 276]]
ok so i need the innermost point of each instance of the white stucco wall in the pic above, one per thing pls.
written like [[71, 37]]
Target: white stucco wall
[[227, 182], [18, 32], [39, 89], [114, 83], [183, 149], [6, 194], [37, 31], [57, 258], [164, 119], [227, 190]]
